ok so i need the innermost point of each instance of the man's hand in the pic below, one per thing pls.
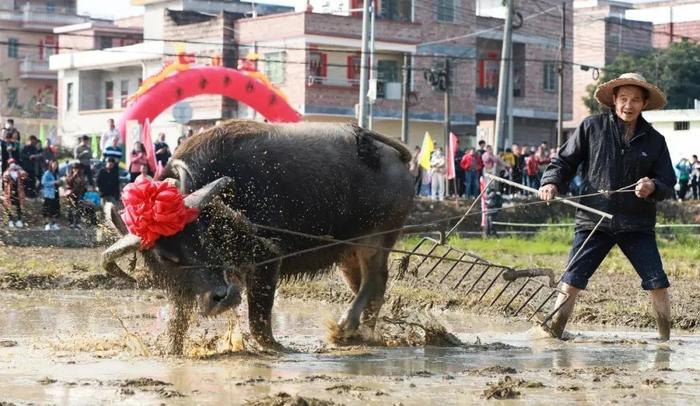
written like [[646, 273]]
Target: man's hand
[[548, 192], [645, 187]]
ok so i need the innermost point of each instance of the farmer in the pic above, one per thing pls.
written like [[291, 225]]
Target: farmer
[[615, 150]]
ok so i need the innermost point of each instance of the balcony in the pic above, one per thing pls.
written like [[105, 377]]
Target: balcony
[[43, 18], [32, 69]]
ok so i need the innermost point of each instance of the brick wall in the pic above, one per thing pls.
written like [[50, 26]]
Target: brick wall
[[661, 37]]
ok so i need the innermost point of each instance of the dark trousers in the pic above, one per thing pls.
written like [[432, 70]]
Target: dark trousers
[[683, 189], [471, 183], [639, 248], [695, 185], [88, 173]]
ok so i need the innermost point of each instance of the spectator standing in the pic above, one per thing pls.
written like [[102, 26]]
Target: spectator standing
[[437, 174], [32, 163], [83, 154], [162, 150], [472, 165], [75, 189], [695, 177], [10, 150], [51, 209], [414, 169], [108, 136], [13, 189], [518, 167], [482, 148], [138, 159], [108, 182], [684, 170], [492, 162], [113, 152], [11, 130]]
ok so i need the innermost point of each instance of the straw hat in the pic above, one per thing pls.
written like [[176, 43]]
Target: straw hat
[[604, 93]]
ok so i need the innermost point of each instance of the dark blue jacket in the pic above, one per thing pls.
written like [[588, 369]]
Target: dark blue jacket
[[608, 162]]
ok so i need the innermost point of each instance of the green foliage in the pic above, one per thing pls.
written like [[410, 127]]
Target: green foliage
[[673, 70]]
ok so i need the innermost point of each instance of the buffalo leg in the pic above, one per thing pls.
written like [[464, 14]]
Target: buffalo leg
[[373, 273], [261, 286], [349, 266]]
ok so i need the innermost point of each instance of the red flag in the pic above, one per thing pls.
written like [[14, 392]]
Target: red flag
[[451, 152], [150, 148]]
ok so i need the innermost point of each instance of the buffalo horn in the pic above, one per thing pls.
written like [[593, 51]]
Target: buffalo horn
[[206, 194], [114, 219], [127, 244]]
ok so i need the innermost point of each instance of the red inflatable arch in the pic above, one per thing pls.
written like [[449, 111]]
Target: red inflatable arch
[[198, 80]]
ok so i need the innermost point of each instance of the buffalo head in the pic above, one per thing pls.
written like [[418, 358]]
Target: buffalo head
[[184, 264]]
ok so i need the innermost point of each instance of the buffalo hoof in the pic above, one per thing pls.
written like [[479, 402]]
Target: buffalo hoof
[[269, 344]]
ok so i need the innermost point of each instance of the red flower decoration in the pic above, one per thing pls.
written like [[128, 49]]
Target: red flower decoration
[[154, 209]]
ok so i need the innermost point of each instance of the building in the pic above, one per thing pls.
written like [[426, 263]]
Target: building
[[673, 20], [431, 32], [27, 85], [95, 84], [314, 58], [681, 128], [601, 33]]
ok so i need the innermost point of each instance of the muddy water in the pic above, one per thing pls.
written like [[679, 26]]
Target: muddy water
[[71, 348]]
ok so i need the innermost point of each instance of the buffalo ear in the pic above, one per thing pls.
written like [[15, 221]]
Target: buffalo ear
[[114, 219], [200, 198]]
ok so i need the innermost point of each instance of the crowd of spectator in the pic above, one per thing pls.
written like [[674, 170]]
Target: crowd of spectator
[[90, 179], [521, 164]]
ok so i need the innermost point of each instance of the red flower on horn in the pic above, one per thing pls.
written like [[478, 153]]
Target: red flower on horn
[[154, 209]]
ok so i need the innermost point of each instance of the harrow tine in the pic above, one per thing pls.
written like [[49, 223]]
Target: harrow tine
[[439, 261], [500, 293], [542, 305], [517, 293], [528, 299], [478, 279], [425, 257], [454, 265], [465, 275], [490, 285]]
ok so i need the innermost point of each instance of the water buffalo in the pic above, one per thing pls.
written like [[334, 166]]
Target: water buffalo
[[333, 180]]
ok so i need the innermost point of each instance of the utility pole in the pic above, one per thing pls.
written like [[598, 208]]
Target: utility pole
[[503, 74], [362, 105], [509, 108], [560, 107], [404, 99], [448, 147], [372, 70], [447, 103]]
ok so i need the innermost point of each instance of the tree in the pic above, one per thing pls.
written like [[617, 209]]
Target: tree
[[673, 70]]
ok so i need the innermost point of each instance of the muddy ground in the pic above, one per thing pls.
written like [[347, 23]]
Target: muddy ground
[[613, 297], [71, 335]]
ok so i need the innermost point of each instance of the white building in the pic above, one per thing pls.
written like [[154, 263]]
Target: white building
[[681, 128]]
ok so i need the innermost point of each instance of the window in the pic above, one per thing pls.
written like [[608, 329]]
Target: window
[[274, 67], [50, 7], [353, 69], [681, 125], [47, 47], [446, 10], [109, 94], [105, 42], [550, 77], [487, 72], [399, 10], [11, 97], [387, 72], [13, 48], [318, 67], [491, 8], [124, 92], [69, 96]]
